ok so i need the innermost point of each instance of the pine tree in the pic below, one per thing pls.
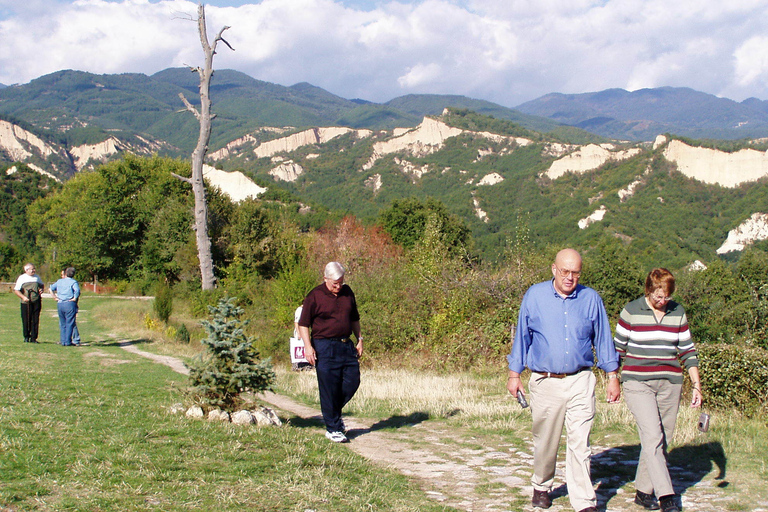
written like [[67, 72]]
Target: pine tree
[[230, 364]]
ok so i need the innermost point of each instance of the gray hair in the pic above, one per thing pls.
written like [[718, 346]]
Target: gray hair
[[27, 265], [70, 272], [334, 271]]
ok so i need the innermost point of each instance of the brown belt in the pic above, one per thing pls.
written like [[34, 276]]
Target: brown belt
[[558, 375]]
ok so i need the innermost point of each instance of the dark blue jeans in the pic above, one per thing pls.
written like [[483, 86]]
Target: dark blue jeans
[[338, 377]]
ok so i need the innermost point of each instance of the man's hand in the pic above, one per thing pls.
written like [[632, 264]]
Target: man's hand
[[515, 384], [309, 355], [359, 348], [613, 389]]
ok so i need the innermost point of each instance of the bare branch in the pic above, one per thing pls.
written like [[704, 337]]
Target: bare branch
[[226, 43], [182, 178], [189, 106]]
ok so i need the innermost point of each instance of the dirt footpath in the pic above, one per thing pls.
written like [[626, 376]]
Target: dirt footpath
[[489, 473]]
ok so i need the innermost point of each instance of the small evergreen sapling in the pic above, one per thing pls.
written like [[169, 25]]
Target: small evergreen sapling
[[230, 364]]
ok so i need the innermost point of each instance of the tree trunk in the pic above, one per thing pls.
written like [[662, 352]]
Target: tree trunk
[[204, 117]]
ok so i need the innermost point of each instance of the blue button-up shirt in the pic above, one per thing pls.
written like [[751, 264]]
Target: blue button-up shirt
[[66, 289], [556, 334]]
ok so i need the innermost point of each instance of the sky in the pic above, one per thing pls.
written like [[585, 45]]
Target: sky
[[505, 51]]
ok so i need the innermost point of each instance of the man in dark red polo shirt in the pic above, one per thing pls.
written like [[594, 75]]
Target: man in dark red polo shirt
[[330, 311]]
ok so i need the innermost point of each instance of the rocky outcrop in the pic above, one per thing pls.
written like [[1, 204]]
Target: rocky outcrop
[[100, 152], [596, 216], [374, 182], [718, 167], [429, 137], [587, 158], [751, 230], [287, 171], [411, 170], [482, 215], [234, 184], [34, 167], [305, 138], [491, 179], [17, 143]]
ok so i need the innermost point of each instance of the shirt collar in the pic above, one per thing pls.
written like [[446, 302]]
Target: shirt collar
[[573, 294]]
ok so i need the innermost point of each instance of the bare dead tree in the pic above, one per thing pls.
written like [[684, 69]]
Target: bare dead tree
[[204, 117]]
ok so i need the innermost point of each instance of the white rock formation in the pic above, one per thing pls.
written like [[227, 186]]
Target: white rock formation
[[427, 138], [587, 158], [14, 138], [287, 171], [195, 412], [97, 152], [243, 418], [482, 215], [235, 184], [491, 179], [35, 168], [596, 216], [409, 169], [557, 149], [660, 141], [227, 150], [751, 230], [697, 265], [305, 138], [718, 167], [374, 182]]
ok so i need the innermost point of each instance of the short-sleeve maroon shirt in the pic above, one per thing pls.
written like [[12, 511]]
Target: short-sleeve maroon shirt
[[329, 315]]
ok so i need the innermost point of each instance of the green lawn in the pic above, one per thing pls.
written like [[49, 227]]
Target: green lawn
[[88, 429]]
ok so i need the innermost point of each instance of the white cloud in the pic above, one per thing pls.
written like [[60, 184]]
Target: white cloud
[[502, 51]]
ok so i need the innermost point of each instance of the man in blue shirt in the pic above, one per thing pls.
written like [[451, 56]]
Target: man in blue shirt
[[560, 322], [66, 291]]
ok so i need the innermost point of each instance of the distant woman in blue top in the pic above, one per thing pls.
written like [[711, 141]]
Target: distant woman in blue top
[[66, 291]]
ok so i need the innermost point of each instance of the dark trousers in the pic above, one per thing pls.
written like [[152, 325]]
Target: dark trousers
[[338, 377], [30, 319]]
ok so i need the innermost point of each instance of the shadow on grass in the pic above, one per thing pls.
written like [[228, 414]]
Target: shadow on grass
[[119, 343], [615, 467]]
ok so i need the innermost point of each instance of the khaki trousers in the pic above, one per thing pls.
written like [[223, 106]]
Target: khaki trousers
[[654, 404], [556, 402]]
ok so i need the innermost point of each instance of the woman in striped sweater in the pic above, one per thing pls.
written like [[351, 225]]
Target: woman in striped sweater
[[654, 344]]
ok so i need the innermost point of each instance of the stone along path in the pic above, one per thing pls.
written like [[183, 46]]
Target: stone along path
[[489, 473]]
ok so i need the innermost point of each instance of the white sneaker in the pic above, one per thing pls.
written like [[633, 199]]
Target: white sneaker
[[337, 437]]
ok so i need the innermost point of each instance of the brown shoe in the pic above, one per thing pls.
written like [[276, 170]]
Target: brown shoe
[[541, 499]]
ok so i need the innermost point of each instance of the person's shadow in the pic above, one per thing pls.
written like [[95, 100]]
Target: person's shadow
[[613, 468], [397, 421]]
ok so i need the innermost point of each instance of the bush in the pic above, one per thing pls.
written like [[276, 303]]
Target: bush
[[230, 364], [735, 376], [182, 334], [163, 303]]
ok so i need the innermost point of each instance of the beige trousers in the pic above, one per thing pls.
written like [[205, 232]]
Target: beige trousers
[[556, 402], [654, 404]]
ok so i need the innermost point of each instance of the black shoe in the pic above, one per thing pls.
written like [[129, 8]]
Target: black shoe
[[646, 501], [668, 504], [541, 499]]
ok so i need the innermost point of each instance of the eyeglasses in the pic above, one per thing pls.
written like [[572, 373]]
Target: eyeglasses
[[661, 298], [565, 273]]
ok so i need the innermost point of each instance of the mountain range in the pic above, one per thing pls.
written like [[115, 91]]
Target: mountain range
[[501, 170]]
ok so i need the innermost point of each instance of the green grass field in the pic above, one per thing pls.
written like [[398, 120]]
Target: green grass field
[[88, 429]]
